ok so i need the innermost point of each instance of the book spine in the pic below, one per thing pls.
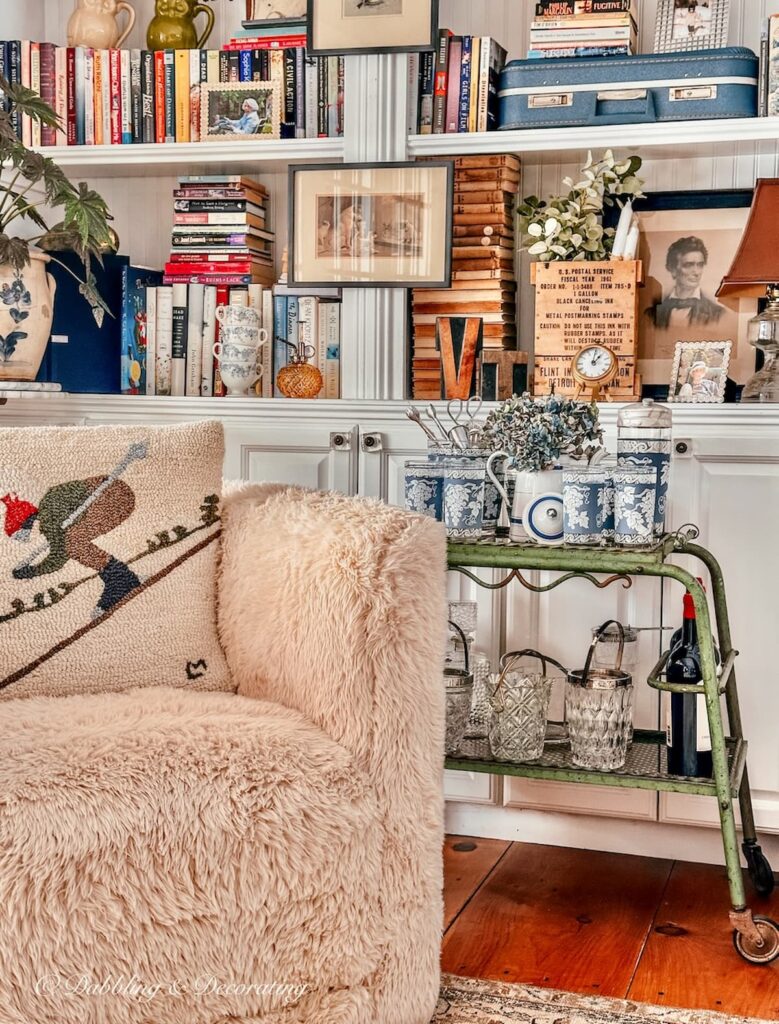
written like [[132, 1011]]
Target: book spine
[[484, 83], [257, 65], [312, 97], [224, 66], [72, 103], [115, 105], [245, 65], [89, 97], [427, 93], [48, 90], [209, 340], [569, 8], [441, 82], [125, 74], [35, 85], [453, 84], [332, 371], [773, 66], [178, 370], [148, 91], [212, 63], [99, 71], [15, 78], [106, 97], [151, 341], [194, 361], [203, 279], [290, 99], [465, 85], [4, 71], [233, 66], [281, 350], [412, 94], [61, 94], [473, 110], [762, 78], [136, 97], [164, 340], [181, 65], [197, 74], [222, 299], [332, 97], [170, 95], [26, 81], [159, 96], [300, 92], [579, 51], [288, 42], [339, 130], [497, 61], [321, 334], [266, 356], [322, 99], [308, 327], [574, 36]]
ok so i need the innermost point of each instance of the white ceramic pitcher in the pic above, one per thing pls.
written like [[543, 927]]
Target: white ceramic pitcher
[[529, 483]]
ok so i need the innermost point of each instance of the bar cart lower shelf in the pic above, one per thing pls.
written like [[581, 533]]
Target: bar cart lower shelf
[[756, 938]]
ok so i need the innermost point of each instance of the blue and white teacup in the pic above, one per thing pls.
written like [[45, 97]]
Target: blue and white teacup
[[635, 496], [588, 504], [464, 487], [653, 454], [424, 488]]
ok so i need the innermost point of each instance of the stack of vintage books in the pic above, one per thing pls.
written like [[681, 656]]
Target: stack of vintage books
[[483, 273], [584, 28]]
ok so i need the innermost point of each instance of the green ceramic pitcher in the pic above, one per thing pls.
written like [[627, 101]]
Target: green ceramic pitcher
[[173, 25]]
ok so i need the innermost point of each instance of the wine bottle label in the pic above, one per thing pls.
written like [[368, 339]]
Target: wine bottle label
[[703, 733], [669, 729]]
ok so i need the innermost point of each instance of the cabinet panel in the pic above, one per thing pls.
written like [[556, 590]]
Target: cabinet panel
[[300, 455], [472, 787]]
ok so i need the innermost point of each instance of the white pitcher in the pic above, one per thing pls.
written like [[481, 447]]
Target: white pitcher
[[529, 484]]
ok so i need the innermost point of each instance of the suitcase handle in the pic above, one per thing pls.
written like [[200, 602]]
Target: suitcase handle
[[642, 109]]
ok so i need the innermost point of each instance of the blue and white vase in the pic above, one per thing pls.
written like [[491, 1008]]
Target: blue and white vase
[[635, 497], [650, 454], [424, 488], [588, 505], [464, 486]]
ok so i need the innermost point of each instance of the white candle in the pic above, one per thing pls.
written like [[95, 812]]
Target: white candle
[[623, 228], [631, 246]]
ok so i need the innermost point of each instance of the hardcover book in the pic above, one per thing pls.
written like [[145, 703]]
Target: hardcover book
[[133, 318]]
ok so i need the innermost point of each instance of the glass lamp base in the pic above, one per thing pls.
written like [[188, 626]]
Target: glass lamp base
[[764, 386]]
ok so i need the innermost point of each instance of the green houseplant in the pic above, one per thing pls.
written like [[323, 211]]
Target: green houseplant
[[41, 212]]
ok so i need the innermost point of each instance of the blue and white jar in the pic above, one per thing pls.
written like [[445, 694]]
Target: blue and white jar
[[492, 499], [464, 487], [424, 488], [588, 504], [635, 496], [644, 439]]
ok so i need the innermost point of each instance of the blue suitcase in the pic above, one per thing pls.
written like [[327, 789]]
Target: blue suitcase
[[569, 92]]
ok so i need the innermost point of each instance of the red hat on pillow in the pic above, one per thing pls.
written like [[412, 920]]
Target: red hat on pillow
[[17, 514]]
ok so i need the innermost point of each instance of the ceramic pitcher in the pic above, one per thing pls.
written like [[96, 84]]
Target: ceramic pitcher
[[173, 25], [528, 485], [26, 315], [93, 23]]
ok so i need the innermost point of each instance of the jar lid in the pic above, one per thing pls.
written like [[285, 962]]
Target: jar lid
[[647, 414], [600, 679]]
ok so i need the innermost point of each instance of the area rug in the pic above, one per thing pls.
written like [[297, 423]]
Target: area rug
[[469, 1001]]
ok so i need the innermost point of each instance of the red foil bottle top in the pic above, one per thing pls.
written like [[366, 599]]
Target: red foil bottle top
[[689, 604]]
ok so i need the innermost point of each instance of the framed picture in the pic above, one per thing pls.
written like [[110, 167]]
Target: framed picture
[[687, 244], [371, 225], [371, 26], [240, 110], [273, 10], [700, 371], [691, 25]]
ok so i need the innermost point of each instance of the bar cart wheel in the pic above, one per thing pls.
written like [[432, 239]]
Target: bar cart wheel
[[759, 869], [755, 952]]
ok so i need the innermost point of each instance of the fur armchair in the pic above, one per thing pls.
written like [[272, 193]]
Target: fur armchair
[[218, 847]]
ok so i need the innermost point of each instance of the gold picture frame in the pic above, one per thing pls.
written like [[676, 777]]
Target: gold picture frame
[[255, 108]]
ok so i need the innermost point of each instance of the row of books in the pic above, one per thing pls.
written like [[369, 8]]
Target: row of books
[[221, 233], [311, 320], [455, 88], [584, 28], [768, 90], [483, 268], [113, 97]]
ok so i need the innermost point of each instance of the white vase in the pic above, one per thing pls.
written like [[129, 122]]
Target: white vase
[[529, 484], [26, 314]]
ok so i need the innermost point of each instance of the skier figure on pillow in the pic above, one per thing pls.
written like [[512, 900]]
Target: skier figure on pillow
[[70, 517]]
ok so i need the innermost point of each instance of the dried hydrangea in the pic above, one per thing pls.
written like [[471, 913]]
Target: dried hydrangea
[[570, 227], [537, 432]]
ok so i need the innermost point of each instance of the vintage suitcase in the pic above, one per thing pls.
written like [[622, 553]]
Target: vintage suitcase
[[567, 92]]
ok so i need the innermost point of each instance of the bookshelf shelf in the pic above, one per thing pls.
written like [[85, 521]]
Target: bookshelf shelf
[[753, 136], [192, 157]]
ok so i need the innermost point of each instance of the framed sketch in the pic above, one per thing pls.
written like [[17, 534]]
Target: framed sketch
[[687, 244], [700, 371], [273, 10], [691, 25], [371, 26], [371, 225], [240, 110]]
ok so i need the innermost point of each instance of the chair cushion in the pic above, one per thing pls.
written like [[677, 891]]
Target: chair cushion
[[174, 836], [108, 555]]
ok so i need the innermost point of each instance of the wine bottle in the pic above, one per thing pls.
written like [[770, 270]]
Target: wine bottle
[[688, 738]]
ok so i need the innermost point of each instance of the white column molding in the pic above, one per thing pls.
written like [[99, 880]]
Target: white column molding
[[373, 347]]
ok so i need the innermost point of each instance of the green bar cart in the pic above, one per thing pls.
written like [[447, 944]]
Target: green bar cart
[[756, 938]]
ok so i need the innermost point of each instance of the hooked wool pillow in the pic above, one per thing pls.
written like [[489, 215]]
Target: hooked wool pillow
[[109, 542]]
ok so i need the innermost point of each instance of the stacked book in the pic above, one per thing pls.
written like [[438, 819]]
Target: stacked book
[[584, 28], [483, 272], [455, 88], [113, 97], [220, 232]]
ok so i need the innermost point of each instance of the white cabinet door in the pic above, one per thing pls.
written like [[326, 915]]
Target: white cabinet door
[[730, 489], [321, 455]]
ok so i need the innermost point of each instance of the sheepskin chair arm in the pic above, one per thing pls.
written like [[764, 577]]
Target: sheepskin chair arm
[[336, 607]]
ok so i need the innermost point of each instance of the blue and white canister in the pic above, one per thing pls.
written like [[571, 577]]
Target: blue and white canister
[[492, 499], [635, 495], [644, 431], [464, 486], [588, 504], [424, 488]]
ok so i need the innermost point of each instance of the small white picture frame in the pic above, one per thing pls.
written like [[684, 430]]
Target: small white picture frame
[[700, 372], [684, 25]]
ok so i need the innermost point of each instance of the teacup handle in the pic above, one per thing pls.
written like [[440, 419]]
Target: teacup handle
[[217, 350], [263, 336], [501, 489]]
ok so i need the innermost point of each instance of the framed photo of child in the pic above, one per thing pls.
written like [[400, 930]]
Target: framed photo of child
[[700, 371], [239, 111]]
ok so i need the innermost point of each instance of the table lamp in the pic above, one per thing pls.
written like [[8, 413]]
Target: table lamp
[[754, 274]]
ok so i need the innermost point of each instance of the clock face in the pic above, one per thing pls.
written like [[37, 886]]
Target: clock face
[[594, 362]]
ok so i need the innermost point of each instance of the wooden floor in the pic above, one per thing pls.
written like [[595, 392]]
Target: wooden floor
[[600, 923]]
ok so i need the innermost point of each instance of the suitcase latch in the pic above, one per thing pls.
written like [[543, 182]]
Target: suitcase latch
[[622, 94], [692, 92], [542, 101]]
